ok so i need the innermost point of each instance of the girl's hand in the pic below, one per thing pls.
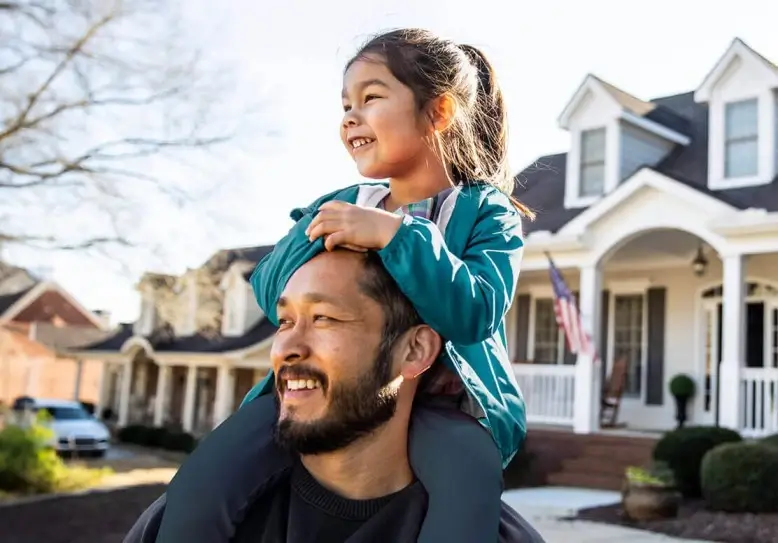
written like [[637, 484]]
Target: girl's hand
[[353, 227]]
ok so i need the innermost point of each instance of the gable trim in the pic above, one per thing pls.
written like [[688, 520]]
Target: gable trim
[[590, 83], [42, 287], [645, 177], [656, 128], [737, 49]]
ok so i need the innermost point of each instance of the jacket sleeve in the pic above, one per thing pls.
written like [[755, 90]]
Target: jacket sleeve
[[464, 299], [146, 527], [292, 251]]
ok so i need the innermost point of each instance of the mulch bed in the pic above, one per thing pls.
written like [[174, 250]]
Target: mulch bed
[[695, 522], [103, 517]]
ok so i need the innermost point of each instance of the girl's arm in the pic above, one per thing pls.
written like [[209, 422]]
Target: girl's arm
[[464, 299]]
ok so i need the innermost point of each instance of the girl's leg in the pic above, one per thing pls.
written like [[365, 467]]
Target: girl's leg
[[460, 466]]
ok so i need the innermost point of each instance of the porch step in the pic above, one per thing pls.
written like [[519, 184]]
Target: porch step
[[596, 461]]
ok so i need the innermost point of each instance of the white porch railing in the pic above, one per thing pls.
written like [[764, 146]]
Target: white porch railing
[[549, 392], [759, 387]]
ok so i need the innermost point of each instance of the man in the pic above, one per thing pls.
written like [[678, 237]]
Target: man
[[350, 358]]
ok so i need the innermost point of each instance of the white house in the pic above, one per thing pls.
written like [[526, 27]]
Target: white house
[[663, 218], [165, 370]]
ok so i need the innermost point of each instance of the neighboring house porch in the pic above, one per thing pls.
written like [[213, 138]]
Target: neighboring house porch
[[191, 383]]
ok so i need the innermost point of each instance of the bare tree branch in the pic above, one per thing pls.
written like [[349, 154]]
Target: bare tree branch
[[97, 101]]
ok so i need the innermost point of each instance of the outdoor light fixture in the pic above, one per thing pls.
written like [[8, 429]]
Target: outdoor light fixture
[[700, 263]]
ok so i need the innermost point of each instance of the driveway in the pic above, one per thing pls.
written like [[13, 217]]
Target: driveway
[[103, 517]]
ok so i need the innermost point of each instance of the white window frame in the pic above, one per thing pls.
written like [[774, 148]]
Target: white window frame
[[752, 137], [602, 162], [573, 198], [630, 288], [766, 141]]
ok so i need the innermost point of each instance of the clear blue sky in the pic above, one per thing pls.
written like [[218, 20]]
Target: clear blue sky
[[290, 54]]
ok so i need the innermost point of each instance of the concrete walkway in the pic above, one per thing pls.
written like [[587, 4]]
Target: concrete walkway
[[545, 508], [581, 531]]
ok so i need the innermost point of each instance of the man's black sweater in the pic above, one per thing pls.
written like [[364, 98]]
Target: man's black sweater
[[301, 510]]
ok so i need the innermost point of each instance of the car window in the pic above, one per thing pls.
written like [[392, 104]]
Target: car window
[[66, 413]]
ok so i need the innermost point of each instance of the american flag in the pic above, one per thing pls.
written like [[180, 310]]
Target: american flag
[[567, 316]]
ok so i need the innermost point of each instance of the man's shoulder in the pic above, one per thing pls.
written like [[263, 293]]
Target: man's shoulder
[[515, 529]]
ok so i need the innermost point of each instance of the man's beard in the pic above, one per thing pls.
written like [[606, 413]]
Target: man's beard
[[353, 412]]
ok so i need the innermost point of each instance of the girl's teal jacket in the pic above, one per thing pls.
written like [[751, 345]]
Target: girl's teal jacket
[[460, 273]]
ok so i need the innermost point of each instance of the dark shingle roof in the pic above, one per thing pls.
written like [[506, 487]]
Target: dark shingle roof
[[198, 343], [226, 257], [541, 186], [7, 300]]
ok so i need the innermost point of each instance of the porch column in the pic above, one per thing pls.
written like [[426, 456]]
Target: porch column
[[189, 398], [124, 394], [77, 384], [160, 399], [101, 388], [225, 387], [586, 408], [732, 342]]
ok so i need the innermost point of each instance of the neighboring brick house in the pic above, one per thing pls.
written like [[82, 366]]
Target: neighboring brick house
[[38, 319]]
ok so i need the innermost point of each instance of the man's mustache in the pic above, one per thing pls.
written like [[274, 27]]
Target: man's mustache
[[301, 371]]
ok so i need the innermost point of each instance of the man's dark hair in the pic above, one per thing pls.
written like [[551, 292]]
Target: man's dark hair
[[399, 313]]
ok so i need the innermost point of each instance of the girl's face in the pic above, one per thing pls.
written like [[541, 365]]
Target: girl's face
[[382, 128]]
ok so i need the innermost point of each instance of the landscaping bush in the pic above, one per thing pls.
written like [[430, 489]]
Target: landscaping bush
[[155, 437], [741, 478], [136, 434], [149, 436], [682, 450], [27, 462], [179, 441], [770, 440]]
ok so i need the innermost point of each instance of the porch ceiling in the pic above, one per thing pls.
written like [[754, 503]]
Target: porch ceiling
[[667, 245]]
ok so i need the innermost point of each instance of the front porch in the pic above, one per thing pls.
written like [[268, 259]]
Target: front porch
[[193, 396], [642, 301]]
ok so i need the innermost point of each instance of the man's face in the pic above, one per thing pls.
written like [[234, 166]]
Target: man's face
[[332, 373]]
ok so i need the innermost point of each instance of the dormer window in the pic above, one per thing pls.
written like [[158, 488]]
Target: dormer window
[[592, 162], [742, 120], [741, 139]]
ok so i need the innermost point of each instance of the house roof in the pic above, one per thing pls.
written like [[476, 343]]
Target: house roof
[[223, 259], [8, 300], [541, 186], [197, 343]]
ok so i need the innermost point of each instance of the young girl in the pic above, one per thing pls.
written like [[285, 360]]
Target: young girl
[[427, 114]]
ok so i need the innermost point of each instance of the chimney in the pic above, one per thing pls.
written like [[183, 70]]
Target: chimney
[[104, 316]]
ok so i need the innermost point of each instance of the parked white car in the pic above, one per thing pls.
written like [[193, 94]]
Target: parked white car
[[76, 431]]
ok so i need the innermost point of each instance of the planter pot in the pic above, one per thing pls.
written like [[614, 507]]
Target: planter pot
[[650, 502], [680, 410]]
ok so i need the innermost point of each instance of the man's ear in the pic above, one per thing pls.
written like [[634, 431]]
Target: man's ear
[[422, 347]]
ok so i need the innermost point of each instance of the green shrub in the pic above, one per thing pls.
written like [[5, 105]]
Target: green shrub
[[149, 436], [179, 441], [682, 450], [155, 437], [770, 440], [682, 386], [136, 434], [27, 462], [741, 477]]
